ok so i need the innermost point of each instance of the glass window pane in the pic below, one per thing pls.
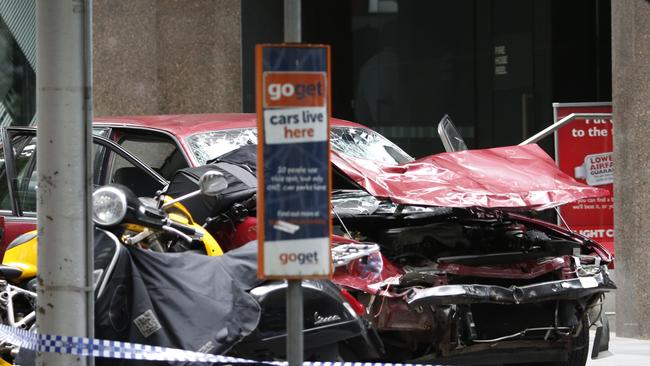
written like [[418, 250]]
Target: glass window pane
[[156, 150], [17, 81], [136, 179], [26, 178]]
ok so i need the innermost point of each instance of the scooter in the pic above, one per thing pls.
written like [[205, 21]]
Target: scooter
[[145, 293]]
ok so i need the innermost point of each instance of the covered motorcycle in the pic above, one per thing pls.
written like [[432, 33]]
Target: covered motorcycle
[[198, 302]]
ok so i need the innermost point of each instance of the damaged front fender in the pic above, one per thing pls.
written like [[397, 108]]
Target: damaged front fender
[[570, 289]]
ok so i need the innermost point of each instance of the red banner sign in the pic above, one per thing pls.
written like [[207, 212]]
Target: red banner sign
[[584, 150]]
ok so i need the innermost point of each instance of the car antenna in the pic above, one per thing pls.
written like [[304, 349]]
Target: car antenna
[[341, 221], [559, 214]]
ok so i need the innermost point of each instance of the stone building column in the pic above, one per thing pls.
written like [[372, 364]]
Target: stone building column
[[631, 103], [166, 56]]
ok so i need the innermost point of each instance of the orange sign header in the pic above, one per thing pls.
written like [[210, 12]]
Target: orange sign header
[[294, 89]]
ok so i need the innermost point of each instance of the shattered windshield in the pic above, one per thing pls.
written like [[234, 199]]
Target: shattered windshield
[[209, 145], [367, 144], [354, 141]]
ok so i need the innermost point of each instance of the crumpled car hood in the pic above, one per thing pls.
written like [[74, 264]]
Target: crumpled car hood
[[523, 177]]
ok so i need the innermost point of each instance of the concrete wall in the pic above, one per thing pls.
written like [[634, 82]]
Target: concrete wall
[[631, 98], [166, 56]]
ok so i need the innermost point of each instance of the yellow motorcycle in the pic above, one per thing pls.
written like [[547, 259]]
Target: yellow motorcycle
[[161, 224], [195, 297]]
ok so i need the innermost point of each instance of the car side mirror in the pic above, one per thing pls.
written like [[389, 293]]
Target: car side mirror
[[451, 138], [212, 182]]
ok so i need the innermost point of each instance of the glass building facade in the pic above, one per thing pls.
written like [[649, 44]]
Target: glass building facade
[[17, 62], [494, 66]]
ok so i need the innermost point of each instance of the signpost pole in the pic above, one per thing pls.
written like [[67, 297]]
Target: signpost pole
[[294, 323], [292, 31], [295, 346], [294, 222]]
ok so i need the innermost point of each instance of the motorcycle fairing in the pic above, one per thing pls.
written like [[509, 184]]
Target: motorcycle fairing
[[522, 177], [21, 255], [327, 319]]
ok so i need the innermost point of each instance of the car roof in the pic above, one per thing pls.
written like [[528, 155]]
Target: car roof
[[184, 125]]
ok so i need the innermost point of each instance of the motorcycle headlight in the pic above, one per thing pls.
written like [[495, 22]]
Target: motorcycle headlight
[[109, 206]]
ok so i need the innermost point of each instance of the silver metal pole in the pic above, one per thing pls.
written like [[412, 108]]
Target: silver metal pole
[[87, 125], [524, 115], [292, 14], [550, 129], [64, 103], [295, 346]]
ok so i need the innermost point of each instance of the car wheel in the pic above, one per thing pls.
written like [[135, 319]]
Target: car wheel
[[577, 356]]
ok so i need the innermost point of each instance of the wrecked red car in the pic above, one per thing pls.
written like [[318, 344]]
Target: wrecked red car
[[464, 276], [456, 270]]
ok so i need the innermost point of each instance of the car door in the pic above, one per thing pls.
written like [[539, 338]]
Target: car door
[[18, 176], [18, 163]]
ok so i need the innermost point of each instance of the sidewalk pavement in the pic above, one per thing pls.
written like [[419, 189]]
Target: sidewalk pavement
[[622, 352]]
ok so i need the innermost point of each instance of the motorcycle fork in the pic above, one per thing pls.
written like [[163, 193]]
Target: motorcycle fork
[[7, 297]]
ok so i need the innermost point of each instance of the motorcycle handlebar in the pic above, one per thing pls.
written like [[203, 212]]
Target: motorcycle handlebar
[[185, 229], [250, 203], [236, 203], [237, 196]]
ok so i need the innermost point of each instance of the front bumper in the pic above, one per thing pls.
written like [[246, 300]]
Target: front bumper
[[570, 289]]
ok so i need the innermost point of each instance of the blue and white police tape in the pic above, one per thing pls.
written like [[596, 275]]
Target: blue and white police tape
[[80, 346]]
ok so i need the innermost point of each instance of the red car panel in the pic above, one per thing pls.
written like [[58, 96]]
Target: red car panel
[[503, 177]]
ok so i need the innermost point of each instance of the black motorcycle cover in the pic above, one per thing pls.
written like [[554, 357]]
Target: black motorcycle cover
[[244, 156], [180, 300], [242, 184]]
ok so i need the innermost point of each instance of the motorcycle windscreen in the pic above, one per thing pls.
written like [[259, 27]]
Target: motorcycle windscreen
[[179, 300], [522, 177]]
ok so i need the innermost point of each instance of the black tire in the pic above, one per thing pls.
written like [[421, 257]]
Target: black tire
[[578, 355]]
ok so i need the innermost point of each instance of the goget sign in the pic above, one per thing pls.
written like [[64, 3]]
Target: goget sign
[[293, 112], [584, 150]]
